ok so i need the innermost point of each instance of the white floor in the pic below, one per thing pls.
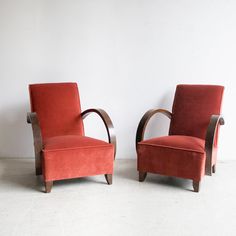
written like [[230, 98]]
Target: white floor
[[88, 206]]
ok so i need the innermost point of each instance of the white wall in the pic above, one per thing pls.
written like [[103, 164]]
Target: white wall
[[126, 55]]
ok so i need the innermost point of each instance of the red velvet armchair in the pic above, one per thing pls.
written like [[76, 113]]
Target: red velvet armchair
[[62, 151], [190, 149]]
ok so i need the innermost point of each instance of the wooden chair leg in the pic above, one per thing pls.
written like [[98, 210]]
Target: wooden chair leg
[[48, 186], [142, 176], [38, 171], [214, 169], [108, 178], [38, 166], [196, 186]]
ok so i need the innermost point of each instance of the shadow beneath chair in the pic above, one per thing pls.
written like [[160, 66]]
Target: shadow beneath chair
[[169, 181], [127, 169], [18, 173], [100, 179]]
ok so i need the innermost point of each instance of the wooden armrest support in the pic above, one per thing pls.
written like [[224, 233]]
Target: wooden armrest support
[[144, 121], [107, 122], [32, 119], [210, 139]]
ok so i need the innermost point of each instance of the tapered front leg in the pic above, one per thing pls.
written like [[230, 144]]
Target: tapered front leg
[[38, 171], [196, 186], [48, 186], [108, 178], [142, 176], [214, 169]]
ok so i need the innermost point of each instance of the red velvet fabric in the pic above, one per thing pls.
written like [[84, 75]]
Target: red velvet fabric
[[67, 153], [72, 156], [186, 143], [72, 141], [179, 156], [182, 154], [192, 109], [58, 108]]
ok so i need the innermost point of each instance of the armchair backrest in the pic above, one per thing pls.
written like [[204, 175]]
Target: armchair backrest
[[192, 109], [58, 108]]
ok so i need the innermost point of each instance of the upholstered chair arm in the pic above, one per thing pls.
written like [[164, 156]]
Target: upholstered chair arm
[[32, 119], [107, 122], [210, 140], [144, 121]]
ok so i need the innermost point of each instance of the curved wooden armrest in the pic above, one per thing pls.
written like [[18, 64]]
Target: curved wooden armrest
[[32, 119], [210, 139], [143, 122], [107, 122]]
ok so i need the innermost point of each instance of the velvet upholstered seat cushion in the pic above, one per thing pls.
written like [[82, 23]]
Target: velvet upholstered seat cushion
[[71, 156], [174, 155]]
